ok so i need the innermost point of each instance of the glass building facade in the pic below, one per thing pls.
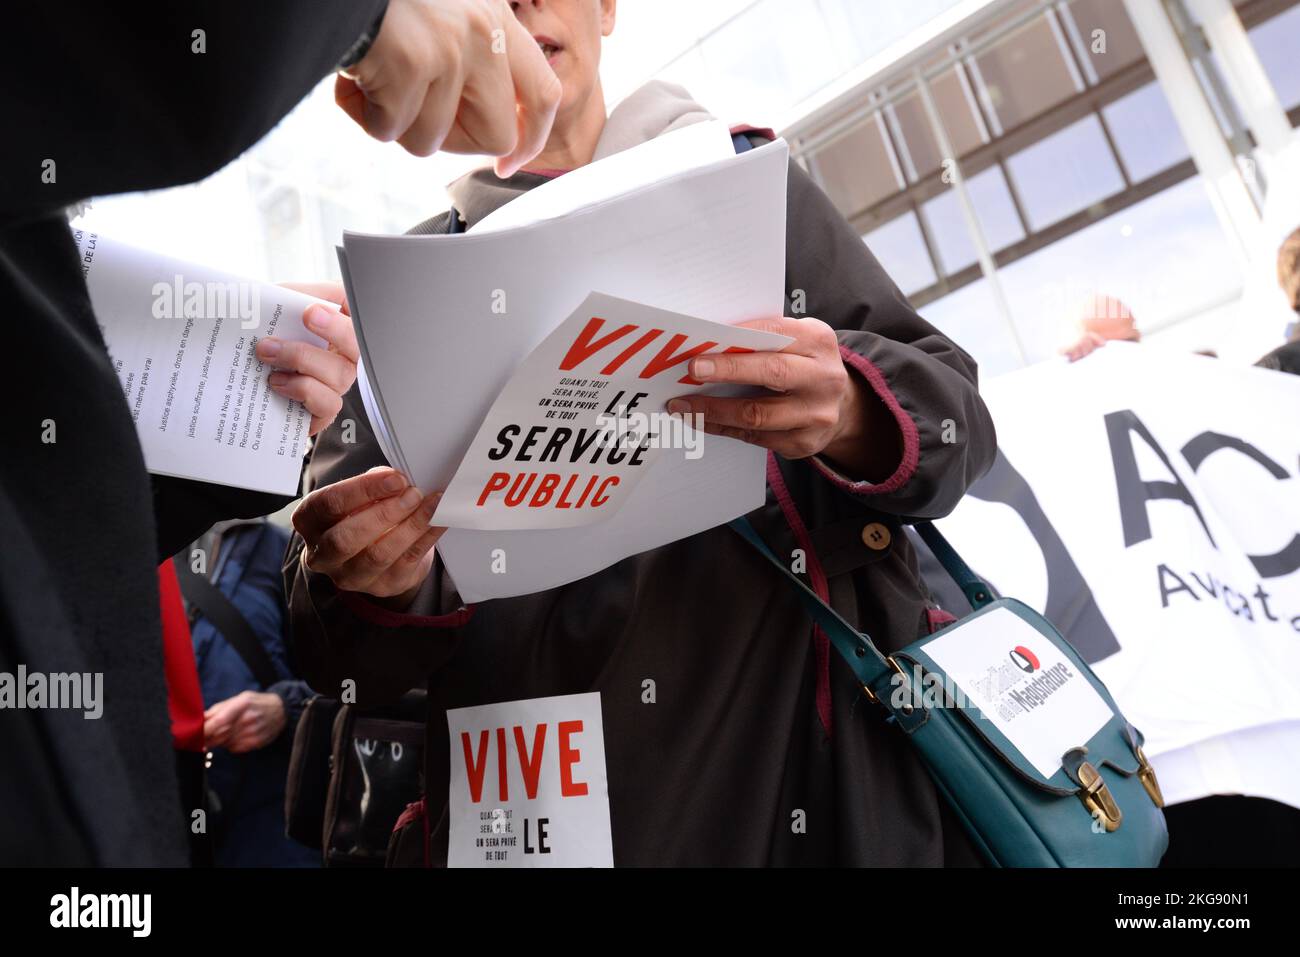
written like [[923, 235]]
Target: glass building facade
[[1051, 114], [1004, 159]]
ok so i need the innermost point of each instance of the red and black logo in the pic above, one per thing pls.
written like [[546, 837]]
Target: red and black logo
[[1024, 659]]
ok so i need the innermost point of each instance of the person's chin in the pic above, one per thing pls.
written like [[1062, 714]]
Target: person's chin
[[569, 93]]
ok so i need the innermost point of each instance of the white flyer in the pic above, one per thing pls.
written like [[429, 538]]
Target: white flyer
[[182, 340], [528, 786], [583, 417], [1022, 683]]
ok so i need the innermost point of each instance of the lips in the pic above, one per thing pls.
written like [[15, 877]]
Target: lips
[[550, 49]]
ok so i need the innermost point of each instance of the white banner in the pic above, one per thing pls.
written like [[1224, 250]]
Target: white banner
[[1148, 503]]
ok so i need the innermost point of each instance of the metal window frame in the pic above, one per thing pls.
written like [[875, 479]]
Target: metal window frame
[[995, 153], [999, 143]]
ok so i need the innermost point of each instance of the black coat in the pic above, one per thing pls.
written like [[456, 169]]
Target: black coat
[[118, 101]]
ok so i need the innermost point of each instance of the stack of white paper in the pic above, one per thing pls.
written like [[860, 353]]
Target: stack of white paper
[[680, 224]]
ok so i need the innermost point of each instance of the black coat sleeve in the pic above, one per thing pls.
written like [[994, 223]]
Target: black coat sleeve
[[120, 99], [133, 96], [183, 509]]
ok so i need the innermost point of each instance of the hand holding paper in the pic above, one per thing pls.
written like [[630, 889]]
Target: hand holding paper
[[190, 347], [307, 373], [812, 404], [370, 533], [581, 421]]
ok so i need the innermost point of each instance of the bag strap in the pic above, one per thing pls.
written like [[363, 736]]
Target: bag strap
[[213, 605], [855, 647], [972, 586]]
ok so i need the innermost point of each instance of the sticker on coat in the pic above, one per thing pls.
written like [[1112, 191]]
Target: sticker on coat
[[528, 785], [1023, 683]]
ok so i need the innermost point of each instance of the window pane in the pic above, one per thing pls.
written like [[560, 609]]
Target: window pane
[[956, 107], [993, 206], [1165, 258], [856, 170], [1145, 132], [970, 318], [1025, 74], [1116, 46], [900, 247], [913, 125], [1065, 173], [1277, 42], [912, 130]]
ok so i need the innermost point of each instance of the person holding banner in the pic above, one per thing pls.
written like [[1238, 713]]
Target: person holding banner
[[1102, 319], [688, 677]]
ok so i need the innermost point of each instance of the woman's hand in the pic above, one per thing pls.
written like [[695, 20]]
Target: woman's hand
[[814, 407], [370, 534], [317, 377]]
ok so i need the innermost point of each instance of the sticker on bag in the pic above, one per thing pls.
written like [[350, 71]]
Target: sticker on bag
[[1023, 683], [528, 785]]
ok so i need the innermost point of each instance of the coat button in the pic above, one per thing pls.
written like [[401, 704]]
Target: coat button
[[876, 537]]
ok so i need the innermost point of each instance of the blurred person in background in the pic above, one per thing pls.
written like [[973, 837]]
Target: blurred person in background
[[1102, 318], [234, 597], [1286, 357]]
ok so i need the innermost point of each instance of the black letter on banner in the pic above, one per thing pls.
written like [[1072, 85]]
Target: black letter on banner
[[1070, 604], [1196, 451], [1135, 493], [1163, 570]]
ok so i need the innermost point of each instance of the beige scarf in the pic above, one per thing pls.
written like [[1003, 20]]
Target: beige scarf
[[654, 109]]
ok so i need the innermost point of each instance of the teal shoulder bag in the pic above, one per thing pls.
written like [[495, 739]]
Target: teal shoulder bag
[[1021, 738]]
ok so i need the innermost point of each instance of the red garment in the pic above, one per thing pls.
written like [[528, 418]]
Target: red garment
[[184, 697]]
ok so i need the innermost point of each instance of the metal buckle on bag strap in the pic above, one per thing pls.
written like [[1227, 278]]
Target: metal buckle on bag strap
[[1147, 775], [898, 670], [1096, 797]]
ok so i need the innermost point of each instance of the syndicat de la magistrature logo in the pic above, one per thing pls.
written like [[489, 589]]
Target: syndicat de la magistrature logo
[[1024, 659]]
